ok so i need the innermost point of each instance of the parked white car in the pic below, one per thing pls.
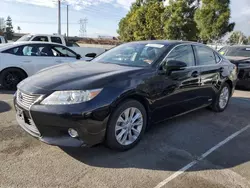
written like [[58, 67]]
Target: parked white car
[[23, 59], [60, 39]]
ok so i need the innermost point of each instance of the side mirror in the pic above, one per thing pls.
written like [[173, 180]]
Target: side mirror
[[78, 56], [173, 65], [91, 55]]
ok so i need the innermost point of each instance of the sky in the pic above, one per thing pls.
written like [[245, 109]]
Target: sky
[[40, 16]]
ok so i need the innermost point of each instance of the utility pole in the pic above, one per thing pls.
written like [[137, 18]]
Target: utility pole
[[67, 21], [59, 17]]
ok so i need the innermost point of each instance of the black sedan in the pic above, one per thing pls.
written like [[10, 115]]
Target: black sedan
[[116, 96], [240, 56]]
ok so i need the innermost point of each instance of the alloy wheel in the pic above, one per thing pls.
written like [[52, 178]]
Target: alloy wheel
[[129, 126], [224, 96]]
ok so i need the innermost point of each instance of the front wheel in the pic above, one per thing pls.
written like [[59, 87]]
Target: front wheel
[[126, 125], [222, 99]]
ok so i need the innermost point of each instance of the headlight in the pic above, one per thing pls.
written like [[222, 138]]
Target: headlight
[[70, 97]]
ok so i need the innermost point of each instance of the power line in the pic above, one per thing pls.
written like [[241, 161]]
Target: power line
[[83, 27]]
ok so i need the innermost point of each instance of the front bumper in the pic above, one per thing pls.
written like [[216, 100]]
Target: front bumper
[[53, 122]]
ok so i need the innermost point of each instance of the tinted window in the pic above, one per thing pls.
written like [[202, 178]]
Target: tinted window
[[14, 51], [62, 52], [37, 50], [242, 51], [205, 55], [40, 38], [0, 40], [56, 40], [183, 53], [217, 58]]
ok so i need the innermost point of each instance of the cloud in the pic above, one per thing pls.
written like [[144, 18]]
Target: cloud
[[77, 4]]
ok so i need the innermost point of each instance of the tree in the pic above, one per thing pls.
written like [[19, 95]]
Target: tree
[[212, 19], [9, 29], [143, 21], [179, 21], [237, 37], [19, 28]]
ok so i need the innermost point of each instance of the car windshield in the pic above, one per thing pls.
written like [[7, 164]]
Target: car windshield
[[25, 38], [236, 51], [133, 54]]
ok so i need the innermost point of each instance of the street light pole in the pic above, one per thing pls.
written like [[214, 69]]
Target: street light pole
[[59, 17], [67, 21]]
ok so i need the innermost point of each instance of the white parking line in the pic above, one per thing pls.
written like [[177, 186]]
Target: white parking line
[[204, 155]]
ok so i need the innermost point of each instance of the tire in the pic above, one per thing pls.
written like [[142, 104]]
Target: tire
[[216, 106], [133, 134], [9, 78]]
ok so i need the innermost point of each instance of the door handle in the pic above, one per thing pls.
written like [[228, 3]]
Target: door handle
[[195, 74], [59, 61], [27, 61]]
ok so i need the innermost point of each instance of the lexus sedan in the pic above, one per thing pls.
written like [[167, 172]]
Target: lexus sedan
[[240, 56], [117, 95]]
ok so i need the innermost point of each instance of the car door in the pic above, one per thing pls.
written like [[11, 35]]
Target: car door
[[179, 91], [211, 68], [63, 54], [39, 56]]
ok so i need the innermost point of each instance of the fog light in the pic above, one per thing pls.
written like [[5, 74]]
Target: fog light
[[73, 133]]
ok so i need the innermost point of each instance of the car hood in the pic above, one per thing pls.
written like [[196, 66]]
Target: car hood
[[77, 76]]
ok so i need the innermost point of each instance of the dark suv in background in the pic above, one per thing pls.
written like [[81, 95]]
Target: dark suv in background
[[240, 56]]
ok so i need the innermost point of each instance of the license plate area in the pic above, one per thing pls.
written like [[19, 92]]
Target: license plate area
[[20, 113], [23, 115]]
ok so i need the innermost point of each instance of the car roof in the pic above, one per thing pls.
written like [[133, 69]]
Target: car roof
[[48, 35], [15, 44], [164, 42]]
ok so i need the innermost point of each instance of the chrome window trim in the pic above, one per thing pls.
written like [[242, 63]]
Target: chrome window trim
[[194, 44]]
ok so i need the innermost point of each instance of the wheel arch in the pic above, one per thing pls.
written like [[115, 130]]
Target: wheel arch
[[134, 96], [16, 68], [230, 83]]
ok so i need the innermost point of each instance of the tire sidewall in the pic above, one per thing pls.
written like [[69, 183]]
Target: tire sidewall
[[111, 140]]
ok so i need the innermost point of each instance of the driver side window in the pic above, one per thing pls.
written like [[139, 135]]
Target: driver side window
[[183, 53], [61, 51]]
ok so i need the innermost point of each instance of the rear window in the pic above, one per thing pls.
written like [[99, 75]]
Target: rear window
[[237, 51], [56, 40], [41, 39]]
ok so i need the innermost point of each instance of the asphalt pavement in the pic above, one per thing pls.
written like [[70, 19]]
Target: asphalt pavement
[[201, 149]]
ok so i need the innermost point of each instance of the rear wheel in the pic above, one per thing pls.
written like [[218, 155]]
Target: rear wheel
[[9, 78], [126, 125], [222, 99]]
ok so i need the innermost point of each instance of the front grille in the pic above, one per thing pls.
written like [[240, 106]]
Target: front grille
[[26, 100]]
